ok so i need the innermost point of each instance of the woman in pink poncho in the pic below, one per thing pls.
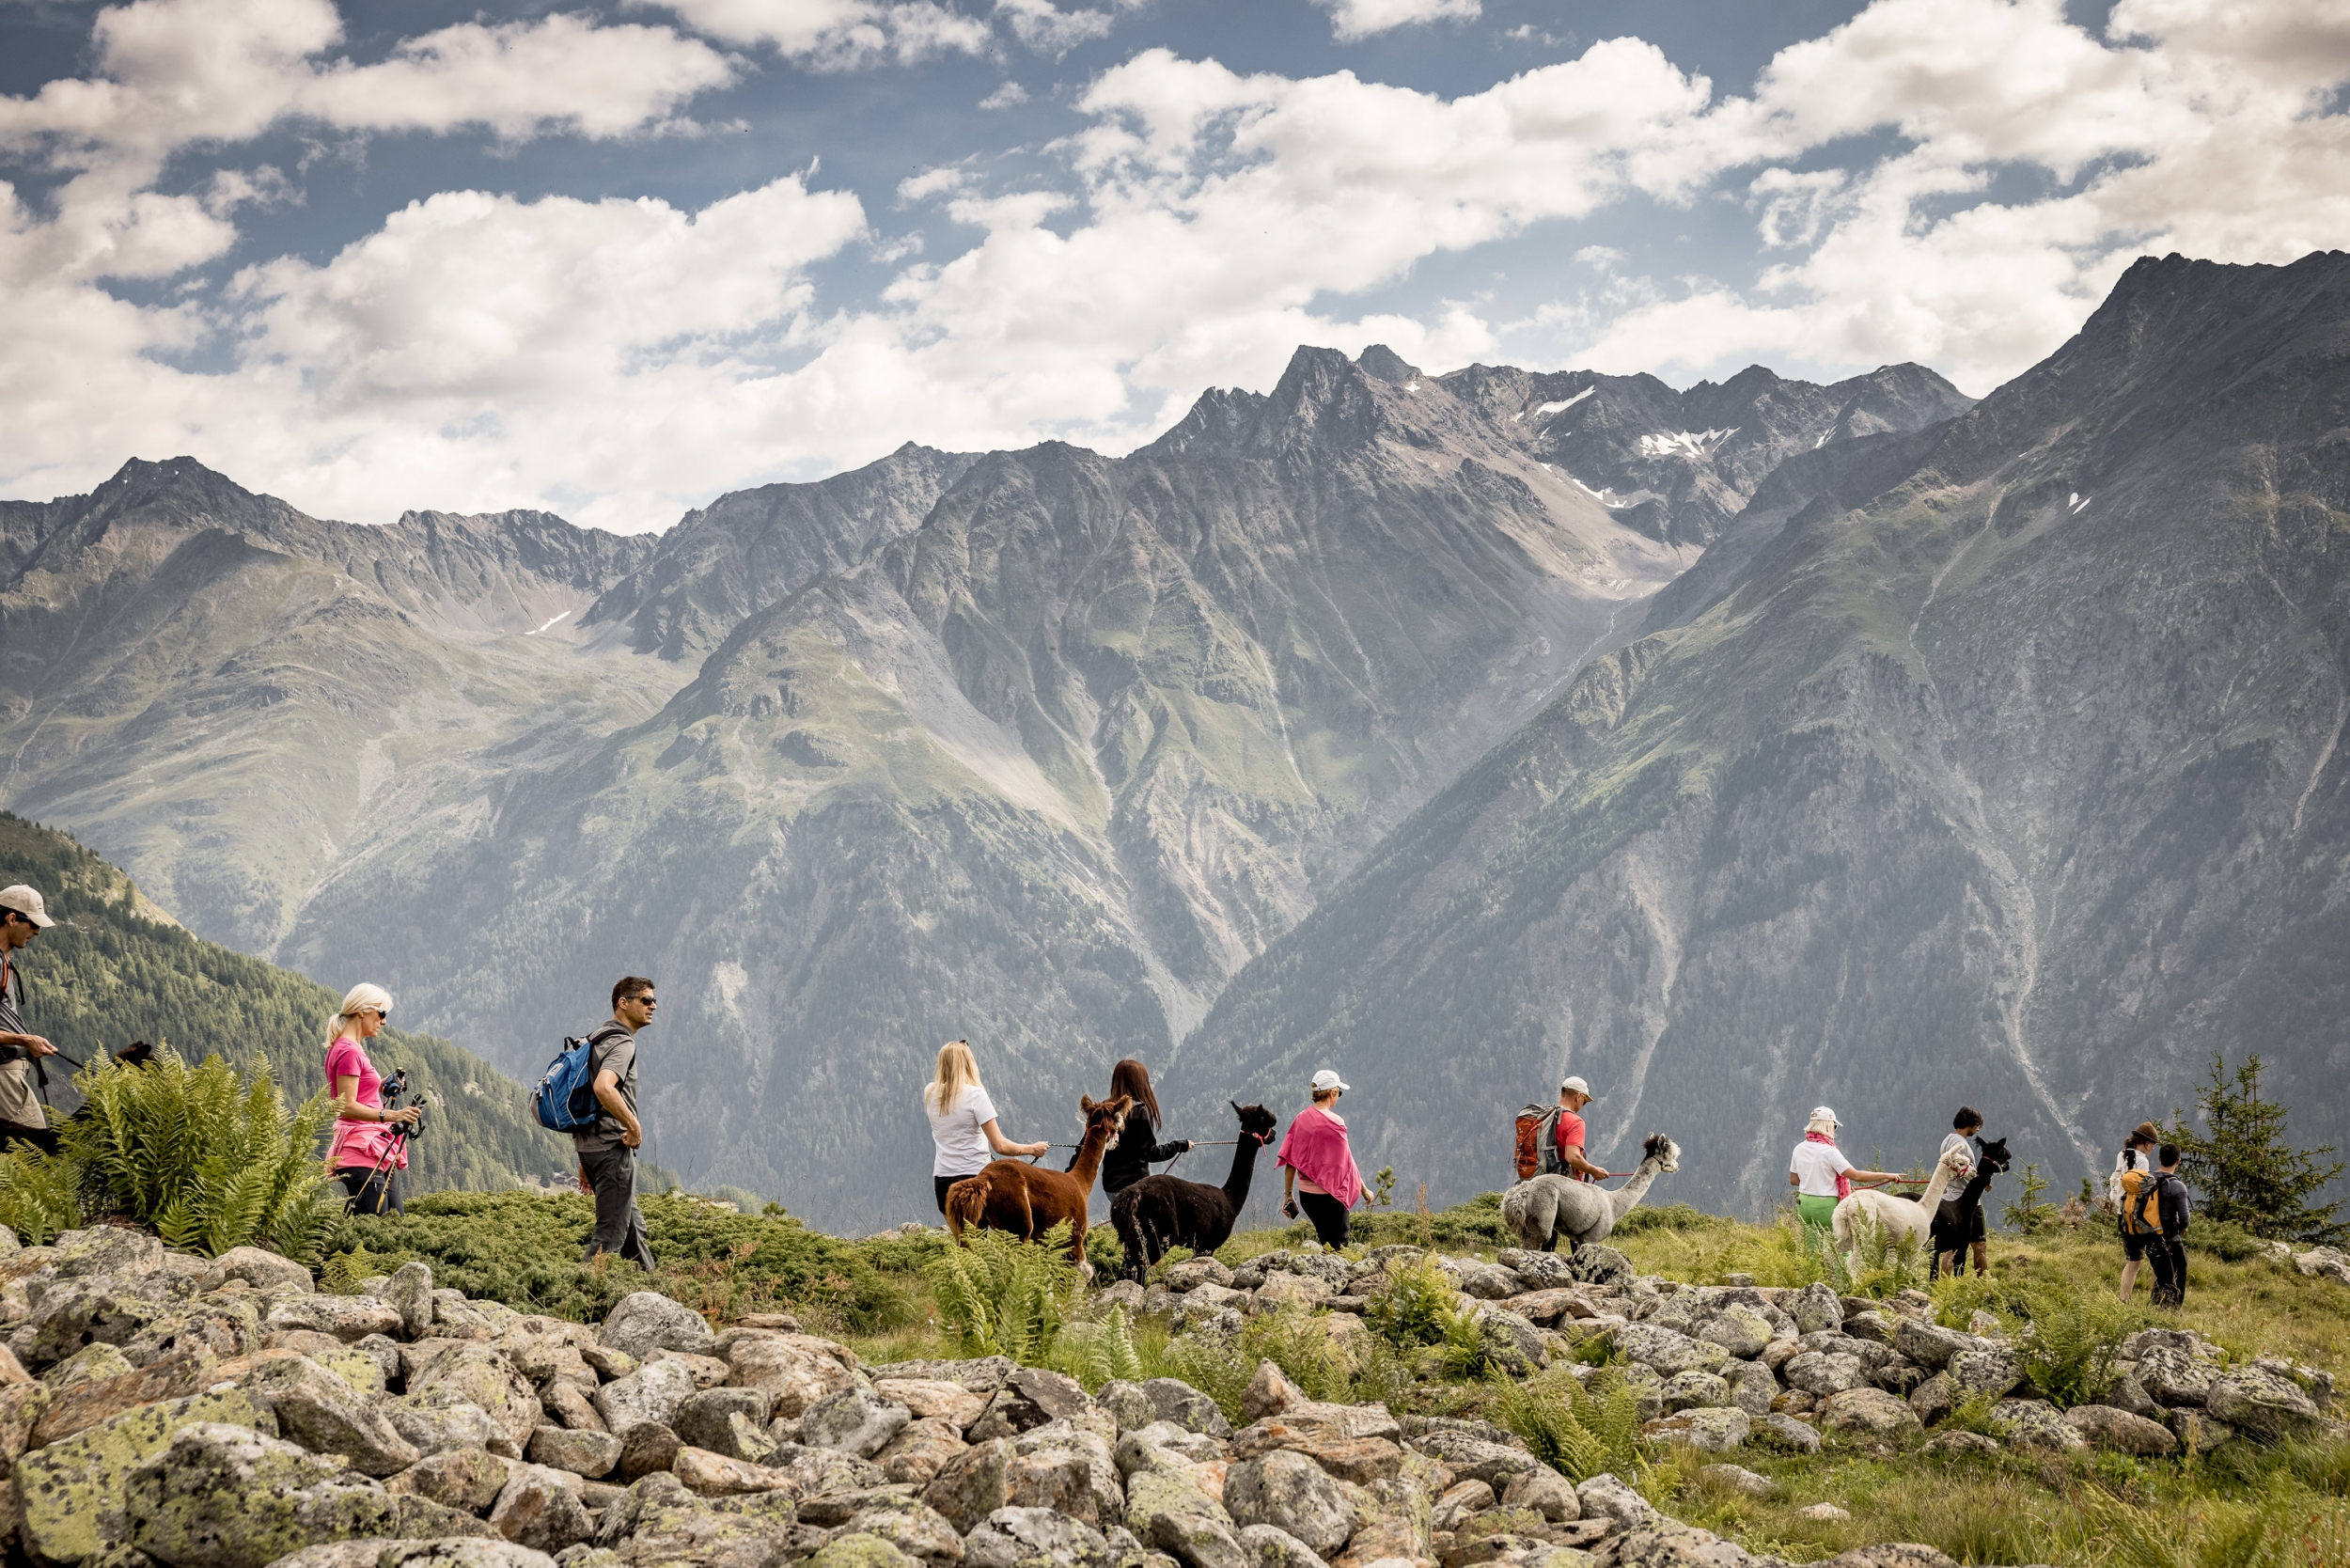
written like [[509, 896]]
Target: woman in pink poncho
[[1317, 1167]]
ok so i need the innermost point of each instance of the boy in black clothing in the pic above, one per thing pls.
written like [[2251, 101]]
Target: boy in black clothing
[[2168, 1252]]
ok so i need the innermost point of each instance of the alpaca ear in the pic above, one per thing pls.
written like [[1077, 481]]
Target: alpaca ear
[[1236, 1110], [1085, 1103]]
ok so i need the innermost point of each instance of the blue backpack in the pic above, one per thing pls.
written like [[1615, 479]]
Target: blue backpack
[[566, 1097]]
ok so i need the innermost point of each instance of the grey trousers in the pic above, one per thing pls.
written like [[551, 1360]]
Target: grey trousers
[[619, 1227]]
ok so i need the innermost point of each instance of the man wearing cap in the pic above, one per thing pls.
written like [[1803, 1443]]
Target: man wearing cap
[[23, 917], [1574, 1094]]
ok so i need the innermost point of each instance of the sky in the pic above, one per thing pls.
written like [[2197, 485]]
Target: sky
[[616, 261]]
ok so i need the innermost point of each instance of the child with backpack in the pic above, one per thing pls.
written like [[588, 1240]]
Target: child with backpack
[[2154, 1215], [2133, 1168]]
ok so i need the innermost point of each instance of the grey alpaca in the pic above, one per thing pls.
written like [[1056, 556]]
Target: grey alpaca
[[1544, 1208]]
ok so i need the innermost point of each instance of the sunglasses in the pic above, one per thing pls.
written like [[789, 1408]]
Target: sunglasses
[[647, 1000]]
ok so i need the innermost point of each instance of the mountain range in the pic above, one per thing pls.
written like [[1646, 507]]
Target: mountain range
[[1738, 747]]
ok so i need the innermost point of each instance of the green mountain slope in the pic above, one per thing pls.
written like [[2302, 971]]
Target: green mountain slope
[[116, 968], [2008, 772]]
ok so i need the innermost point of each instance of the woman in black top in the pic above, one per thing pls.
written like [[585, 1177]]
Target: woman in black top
[[1129, 1160]]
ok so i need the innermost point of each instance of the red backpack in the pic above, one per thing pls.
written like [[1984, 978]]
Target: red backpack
[[1538, 1142]]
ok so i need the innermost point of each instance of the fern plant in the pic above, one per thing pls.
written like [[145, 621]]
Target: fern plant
[[1098, 1351], [40, 1194], [2073, 1340], [1005, 1297], [1416, 1308], [1576, 1429], [208, 1157]]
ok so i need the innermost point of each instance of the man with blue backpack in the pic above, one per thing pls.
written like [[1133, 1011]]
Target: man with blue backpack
[[591, 1092]]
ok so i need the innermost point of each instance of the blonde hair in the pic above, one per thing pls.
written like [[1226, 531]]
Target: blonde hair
[[1821, 1124], [357, 998], [958, 1069], [1327, 1096]]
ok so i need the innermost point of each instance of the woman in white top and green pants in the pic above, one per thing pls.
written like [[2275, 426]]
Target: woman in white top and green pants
[[963, 1121], [1821, 1175]]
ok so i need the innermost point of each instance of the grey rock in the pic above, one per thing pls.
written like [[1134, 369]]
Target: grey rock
[[1975, 1372], [645, 1448], [1545, 1491], [541, 1509], [2033, 1423], [1269, 1546], [1739, 1330], [2107, 1427], [2262, 1404], [1486, 1281], [1594, 1264], [410, 1290], [972, 1486], [1067, 1469], [727, 1420], [1814, 1307], [2197, 1431], [1930, 1345], [649, 1396], [852, 1422], [1737, 1478], [324, 1414], [1293, 1494], [439, 1419], [1867, 1410], [1692, 1390], [1751, 1387], [1820, 1374], [2129, 1394], [1962, 1443], [2172, 1375], [263, 1270], [469, 1479], [227, 1497], [581, 1453], [1126, 1405], [1474, 1458], [647, 1321], [1605, 1497], [1513, 1342], [1711, 1431], [1192, 1273], [462, 1553], [1010, 1537], [1667, 1351], [1170, 1514], [1186, 1406], [1782, 1430]]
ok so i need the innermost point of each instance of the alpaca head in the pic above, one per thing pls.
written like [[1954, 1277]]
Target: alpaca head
[[1994, 1156], [1105, 1113], [1959, 1163], [1661, 1152], [1254, 1122]]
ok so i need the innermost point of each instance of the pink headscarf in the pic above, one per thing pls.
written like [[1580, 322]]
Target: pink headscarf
[[1844, 1182], [1315, 1147]]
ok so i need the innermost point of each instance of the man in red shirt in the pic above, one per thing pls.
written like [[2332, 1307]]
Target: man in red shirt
[[1574, 1094]]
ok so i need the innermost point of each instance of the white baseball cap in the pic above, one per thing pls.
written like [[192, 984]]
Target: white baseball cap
[[1579, 1086], [1822, 1113], [1327, 1079], [26, 902]]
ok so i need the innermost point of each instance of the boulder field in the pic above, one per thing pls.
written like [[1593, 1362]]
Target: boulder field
[[158, 1408]]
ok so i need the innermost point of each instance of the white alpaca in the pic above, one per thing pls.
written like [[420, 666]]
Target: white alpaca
[[1542, 1209], [1898, 1219]]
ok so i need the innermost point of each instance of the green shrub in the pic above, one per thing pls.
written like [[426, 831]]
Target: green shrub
[[208, 1157], [1576, 1429], [1957, 1297], [40, 1194], [1097, 1351], [2228, 1242], [1671, 1216], [523, 1249], [1106, 1252], [1005, 1297], [2071, 1341], [1416, 1309]]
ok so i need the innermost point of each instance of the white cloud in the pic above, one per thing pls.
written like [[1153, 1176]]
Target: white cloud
[[1005, 97], [619, 360], [1045, 28], [1356, 20], [836, 34]]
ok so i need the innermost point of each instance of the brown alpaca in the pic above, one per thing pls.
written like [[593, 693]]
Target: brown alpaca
[[1028, 1200]]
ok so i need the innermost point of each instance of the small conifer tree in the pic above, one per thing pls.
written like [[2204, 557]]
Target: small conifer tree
[[2030, 1212], [2242, 1168]]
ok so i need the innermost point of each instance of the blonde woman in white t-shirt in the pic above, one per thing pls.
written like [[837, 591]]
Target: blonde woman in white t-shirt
[[963, 1121]]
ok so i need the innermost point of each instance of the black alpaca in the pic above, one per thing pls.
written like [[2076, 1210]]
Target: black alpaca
[[1954, 1221], [1161, 1212]]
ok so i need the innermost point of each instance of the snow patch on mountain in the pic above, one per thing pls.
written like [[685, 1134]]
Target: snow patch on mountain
[[1694, 445]]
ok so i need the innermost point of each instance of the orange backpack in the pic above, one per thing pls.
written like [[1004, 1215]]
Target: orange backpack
[[2141, 1203], [1538, 1141]]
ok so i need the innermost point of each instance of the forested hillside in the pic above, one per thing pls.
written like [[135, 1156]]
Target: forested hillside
[[116, 968]]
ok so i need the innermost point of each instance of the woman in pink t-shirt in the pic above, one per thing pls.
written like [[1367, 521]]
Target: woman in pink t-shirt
[[364, 1144]]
